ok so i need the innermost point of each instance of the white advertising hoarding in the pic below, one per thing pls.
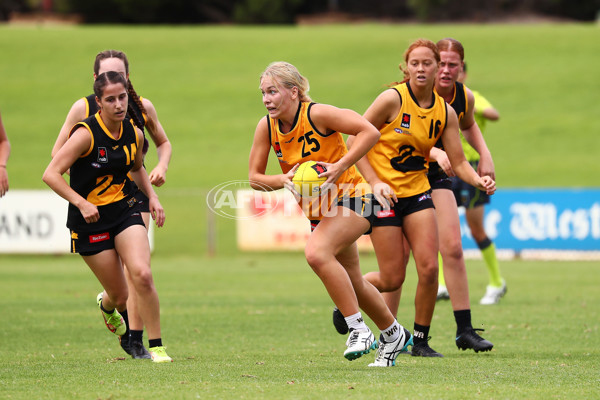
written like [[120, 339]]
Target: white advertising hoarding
[[274, 221], [34, 221]]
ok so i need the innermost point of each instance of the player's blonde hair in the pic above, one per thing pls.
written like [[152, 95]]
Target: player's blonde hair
[[288, 76]]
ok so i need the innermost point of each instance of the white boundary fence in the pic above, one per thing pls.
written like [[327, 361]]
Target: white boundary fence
[[33, 222]]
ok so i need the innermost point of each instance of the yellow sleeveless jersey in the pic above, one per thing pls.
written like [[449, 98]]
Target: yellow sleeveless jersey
[[400, 157], [303, 143]]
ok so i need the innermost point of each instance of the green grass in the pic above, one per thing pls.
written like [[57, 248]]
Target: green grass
[[258, 326]]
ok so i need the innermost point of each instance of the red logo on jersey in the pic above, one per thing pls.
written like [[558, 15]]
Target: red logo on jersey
[[405, 123], [102, 155], [277, 149], [319, 168], [99, 237]]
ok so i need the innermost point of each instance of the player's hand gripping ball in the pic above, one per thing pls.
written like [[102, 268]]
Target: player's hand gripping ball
[[306, 179]]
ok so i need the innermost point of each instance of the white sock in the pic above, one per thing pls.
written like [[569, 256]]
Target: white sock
[[392, 332], [356, 321]]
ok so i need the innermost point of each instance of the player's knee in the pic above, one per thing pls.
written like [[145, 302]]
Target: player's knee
[[313, 256], [316, 256], [428, 272], [143, 280], [452, 254], [392, 283], [389, 282]]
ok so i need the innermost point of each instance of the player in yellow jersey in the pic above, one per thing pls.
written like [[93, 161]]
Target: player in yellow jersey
[[474, 200], [299, 130], [460, 98], [143, 113], [104, 212], [412, 118]]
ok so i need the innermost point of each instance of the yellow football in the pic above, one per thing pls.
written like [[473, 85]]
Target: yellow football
[[306, 179]]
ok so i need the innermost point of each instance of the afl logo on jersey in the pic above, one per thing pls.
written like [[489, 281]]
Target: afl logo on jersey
[[405, 123], [102, 155]]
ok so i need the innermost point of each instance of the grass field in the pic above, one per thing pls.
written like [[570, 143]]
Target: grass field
[[258, 325]]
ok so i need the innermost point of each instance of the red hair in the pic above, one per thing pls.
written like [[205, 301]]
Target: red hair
[[449, 44], [417, 43]]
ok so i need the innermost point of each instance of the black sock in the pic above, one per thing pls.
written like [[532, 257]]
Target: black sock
[[463, 321], [420, 334], [126, 318], [136, 336], [154, 342], [485, 243], [105, 310]]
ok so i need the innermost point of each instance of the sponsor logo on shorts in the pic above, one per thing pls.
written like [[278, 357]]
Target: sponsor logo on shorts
[[131, 202], [424, 197], [102, 155], [405, 123], [386, 214], [99, 237]]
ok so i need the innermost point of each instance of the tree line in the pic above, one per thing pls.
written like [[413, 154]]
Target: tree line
[[289, 11]]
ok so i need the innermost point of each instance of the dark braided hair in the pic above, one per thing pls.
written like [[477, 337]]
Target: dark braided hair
[[103, 55], [134, 96]]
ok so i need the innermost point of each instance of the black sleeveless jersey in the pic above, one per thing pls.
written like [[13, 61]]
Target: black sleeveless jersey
[[460, 105], [460, 102], [100, 175]]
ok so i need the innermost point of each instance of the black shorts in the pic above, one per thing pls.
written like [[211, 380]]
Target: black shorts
[[405, 206], [439, 180], [466, 195], [102, 235], [142, 199], [366, 206], [437, 177]]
